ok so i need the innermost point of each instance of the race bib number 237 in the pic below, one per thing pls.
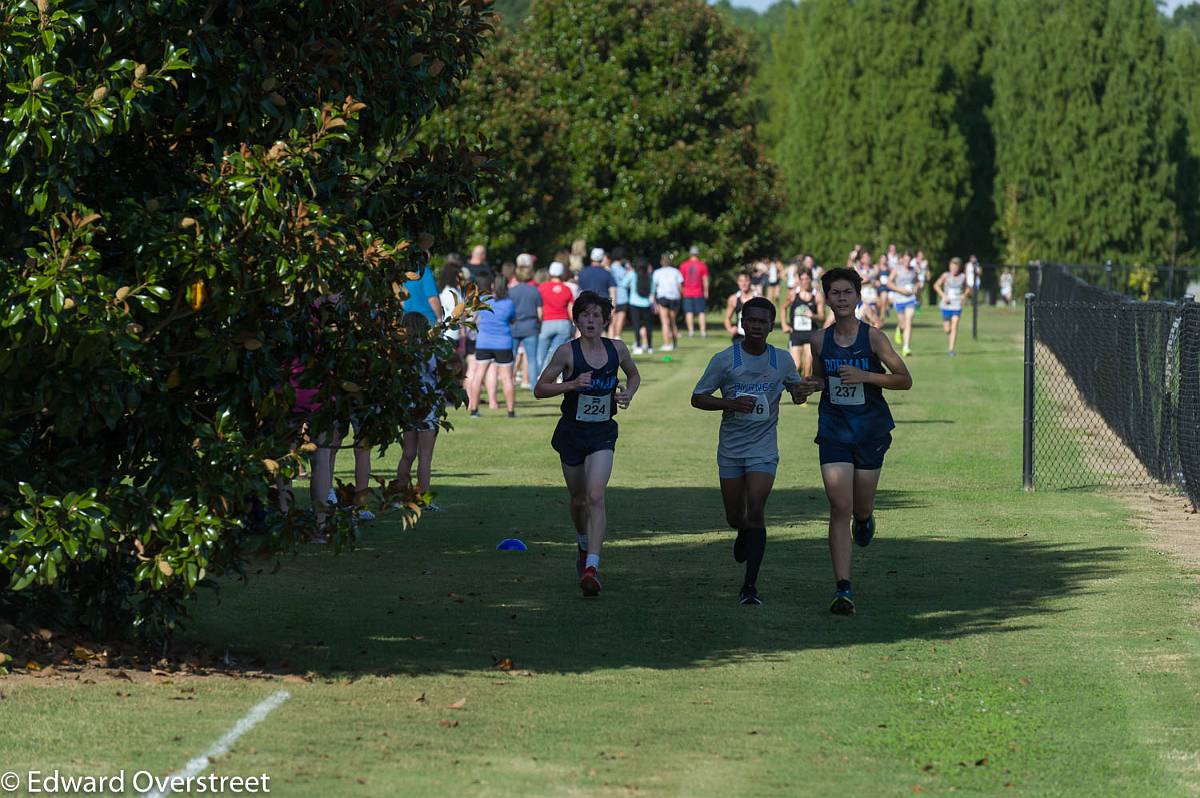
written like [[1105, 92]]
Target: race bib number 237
[[842, 394]]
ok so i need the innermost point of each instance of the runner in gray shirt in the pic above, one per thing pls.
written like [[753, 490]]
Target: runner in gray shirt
[[751, 376]]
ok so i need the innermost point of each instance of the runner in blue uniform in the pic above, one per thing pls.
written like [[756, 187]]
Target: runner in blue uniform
[[854, 423], [751, 376], [586, 434]]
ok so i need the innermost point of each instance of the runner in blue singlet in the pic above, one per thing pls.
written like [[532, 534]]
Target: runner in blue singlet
[[854, 422], [586, 434]]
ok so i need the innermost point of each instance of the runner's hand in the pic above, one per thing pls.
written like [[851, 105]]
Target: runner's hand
[[852, 376], [742, 404], [623, 397], [582, 381]]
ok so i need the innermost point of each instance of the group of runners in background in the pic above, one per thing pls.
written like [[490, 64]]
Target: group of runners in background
[[566, 325]]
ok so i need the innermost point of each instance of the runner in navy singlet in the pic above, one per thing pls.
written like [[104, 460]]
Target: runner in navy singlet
[[854, 422], [586, 435]]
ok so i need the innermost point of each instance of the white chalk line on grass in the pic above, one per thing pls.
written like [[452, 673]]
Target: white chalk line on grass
[[256, 715]]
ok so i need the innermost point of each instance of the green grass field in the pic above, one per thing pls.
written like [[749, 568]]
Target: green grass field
[[1005, 644]]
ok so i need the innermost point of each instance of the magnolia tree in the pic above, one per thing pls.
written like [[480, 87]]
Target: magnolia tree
[[206, 206]]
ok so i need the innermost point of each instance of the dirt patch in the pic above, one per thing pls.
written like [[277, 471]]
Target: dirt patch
[[1165, 515], [46, 655]]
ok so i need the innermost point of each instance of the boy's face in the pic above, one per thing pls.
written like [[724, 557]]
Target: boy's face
[[757, 324], [842, 298]]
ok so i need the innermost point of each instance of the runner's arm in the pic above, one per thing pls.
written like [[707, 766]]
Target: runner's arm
[[899, 379], [702, 394], [633, 378], [938, 285], [560, 361], [729, 306]]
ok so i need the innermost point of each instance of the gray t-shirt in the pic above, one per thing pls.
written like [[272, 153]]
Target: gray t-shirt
[[526, 301], [735, 372]]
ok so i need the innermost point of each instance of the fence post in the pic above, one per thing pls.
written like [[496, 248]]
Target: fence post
[[1171, 280], [1108, 275], [975, 305], [1027, 431]]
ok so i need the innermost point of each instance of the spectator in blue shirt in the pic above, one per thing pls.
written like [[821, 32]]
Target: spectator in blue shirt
[[423, 296], [494, 346]]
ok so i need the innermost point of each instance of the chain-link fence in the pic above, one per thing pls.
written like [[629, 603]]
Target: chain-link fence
[[1112, 394]]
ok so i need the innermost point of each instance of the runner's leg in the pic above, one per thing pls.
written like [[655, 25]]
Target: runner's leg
[[597, 469], [758, 489], [839, 488]]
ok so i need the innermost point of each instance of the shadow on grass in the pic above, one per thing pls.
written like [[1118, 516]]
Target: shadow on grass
[[440, 598]]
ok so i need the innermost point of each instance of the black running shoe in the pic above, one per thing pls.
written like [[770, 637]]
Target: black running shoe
[[843, 603], [739, 547], [749, 595], [864, 531]]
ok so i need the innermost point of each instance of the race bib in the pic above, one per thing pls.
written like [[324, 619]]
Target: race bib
[[761, 411], [594, 408], [841, 394], [801, 323]]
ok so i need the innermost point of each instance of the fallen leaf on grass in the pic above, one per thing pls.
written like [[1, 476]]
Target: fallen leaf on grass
[[297, 679], [85, 654], [419, 699], [504, 664], [459, 704], [1024, 682], [981, 762], [32, 666], [449, 724]]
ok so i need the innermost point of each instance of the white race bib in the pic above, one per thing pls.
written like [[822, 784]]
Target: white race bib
[[594, 408], [801, 323], [761, 411], [841, 394]]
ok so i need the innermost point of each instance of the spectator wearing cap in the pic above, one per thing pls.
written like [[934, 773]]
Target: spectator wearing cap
[[527, 321], [557, 300], [596, 278]]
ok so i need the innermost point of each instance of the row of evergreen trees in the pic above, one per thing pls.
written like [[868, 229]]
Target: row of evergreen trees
[[1016, 129], [1012, 129]]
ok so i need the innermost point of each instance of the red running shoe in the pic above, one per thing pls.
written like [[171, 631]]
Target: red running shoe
[[589, 583]]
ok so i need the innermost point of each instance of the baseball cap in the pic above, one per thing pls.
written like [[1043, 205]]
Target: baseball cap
[[597, 254], [695, 250], [525, 259], [557, 269]]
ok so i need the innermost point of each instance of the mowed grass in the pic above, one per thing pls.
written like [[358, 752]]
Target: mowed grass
[[1005, 643]]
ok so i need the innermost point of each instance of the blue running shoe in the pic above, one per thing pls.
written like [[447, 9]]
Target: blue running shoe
[[864, 531], [843, 603]]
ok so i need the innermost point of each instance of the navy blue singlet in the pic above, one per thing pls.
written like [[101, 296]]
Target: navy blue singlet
[[851, 414], [604, 379]]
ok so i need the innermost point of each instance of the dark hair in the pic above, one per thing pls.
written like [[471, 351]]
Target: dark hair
[[618, 253], [415, 324], [842, 273], [641, 266], [500, 286], [451, 272], [760, 302], [590, 299]]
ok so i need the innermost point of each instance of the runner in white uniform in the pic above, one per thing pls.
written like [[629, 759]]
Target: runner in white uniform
[[953, 290], [905, 282]]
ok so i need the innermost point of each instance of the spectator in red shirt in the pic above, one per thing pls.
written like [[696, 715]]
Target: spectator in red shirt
[[557, 300], [695, 291]]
